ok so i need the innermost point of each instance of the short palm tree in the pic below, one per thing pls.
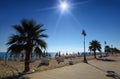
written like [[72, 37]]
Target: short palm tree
[[116, 50], [107, 49], [94, 46], [90, 48], [28, 38]]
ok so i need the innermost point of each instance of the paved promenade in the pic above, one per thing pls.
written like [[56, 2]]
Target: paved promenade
[[95, 69]]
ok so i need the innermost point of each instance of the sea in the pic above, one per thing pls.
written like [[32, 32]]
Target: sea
[[4, 55]]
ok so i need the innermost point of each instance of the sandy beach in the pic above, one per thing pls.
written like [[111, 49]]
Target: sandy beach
[[105, 68], [13, 68]]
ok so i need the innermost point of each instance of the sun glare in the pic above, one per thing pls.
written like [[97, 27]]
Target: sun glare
[[64, 6]]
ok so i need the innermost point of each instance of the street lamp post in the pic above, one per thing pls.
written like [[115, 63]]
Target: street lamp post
[[84, 34]]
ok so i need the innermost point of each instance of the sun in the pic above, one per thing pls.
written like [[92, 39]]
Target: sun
[[64, 6]]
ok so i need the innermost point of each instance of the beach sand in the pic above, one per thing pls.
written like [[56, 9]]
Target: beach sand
[[95, 69], [12, 68]]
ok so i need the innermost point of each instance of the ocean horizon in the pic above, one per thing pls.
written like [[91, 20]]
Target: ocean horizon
[[4, 55]]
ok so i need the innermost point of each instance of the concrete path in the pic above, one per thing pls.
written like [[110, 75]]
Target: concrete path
[[96, 69]]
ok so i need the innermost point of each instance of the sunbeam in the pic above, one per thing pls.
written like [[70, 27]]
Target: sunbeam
[[64, 6], [56, 25], [76, 20], [79, 3], [48, 8]]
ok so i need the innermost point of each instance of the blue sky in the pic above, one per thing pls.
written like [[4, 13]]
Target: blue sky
[[99, 18]]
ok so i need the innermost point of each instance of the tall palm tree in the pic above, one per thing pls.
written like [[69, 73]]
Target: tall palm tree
[[28, 38], [94, 46]]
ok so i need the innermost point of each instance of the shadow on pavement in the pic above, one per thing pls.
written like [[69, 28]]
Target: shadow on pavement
[[113, 74], [15, 77], [105, 59]]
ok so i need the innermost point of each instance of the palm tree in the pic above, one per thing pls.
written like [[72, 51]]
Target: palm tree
[[107, 49], [116, 50], [94, 46], [28, 38]]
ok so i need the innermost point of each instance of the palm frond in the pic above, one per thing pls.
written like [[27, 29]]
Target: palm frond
[[19, 29], [43, 35], [16, 39], [13, 39], [107, 48], [15, 49], [39, 26], [41, 30], [90, 48], [24, 24], [95, 45], [41, 43], [38, 51], [31, 23]]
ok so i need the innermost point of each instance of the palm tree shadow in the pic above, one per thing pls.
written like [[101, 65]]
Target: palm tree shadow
[[112, 74], [15, 77], [105, 59], [24, 78]]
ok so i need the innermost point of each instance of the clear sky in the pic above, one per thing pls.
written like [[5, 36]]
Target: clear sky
[[99, 18]]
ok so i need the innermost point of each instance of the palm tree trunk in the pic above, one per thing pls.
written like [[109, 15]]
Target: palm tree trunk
[[94, 54], [6, 58], [106, 54], [27, 61]]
